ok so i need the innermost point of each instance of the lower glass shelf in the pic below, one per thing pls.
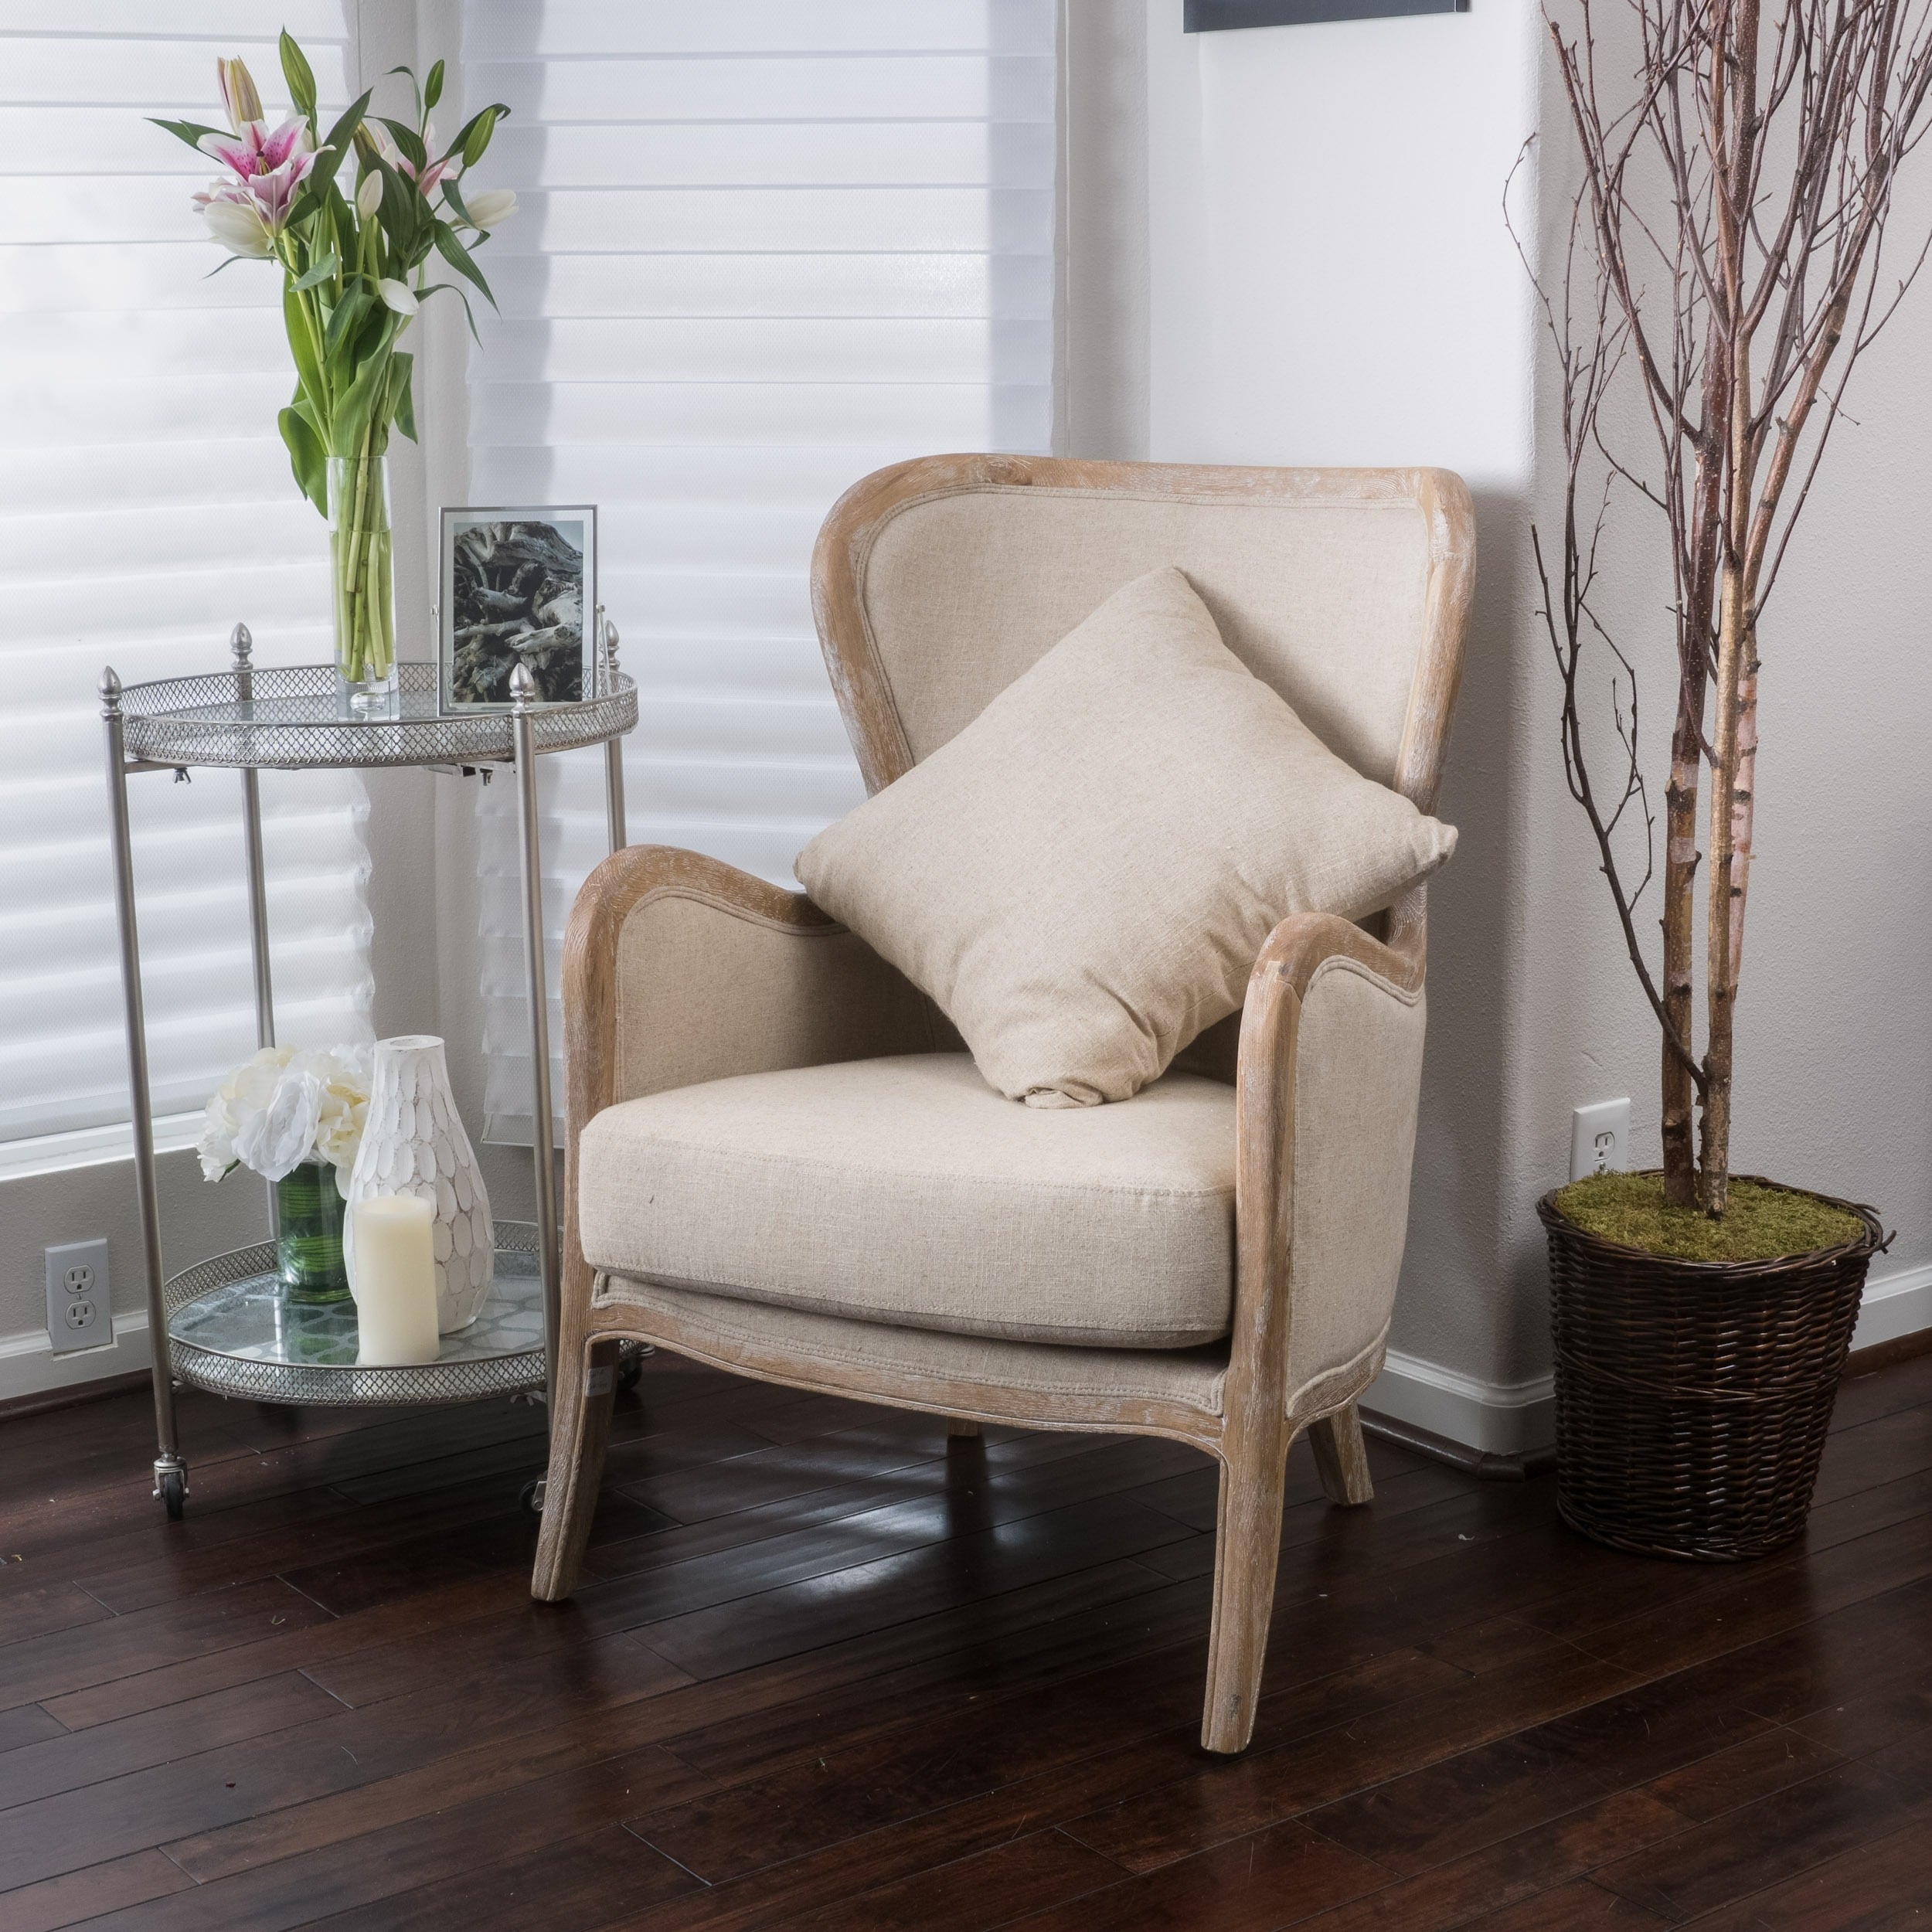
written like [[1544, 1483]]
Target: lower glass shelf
[[231, 1332]]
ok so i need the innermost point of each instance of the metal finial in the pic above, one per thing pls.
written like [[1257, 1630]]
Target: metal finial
[[610, 644], [522, 688], [110, 693], [241, 641]]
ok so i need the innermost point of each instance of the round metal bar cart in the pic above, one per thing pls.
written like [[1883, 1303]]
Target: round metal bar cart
[[218, 1326]]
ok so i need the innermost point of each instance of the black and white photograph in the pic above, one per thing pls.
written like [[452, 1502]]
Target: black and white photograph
[[516, 585]]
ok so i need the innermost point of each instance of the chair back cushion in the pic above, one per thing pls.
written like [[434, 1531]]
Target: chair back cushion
[[938, 582], [1083, 876]]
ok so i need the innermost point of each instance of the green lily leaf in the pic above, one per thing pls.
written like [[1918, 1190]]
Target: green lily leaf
[[368, 341], [190, 132], [342, 325], [301, 78], [455, 289], [474, 137], [318, 274], [309, 369], [414, 88], [344, 131], [403, 212], [348, 313], [307, 458], [358, 407], [458, 258], [408, 141], [401, 408]]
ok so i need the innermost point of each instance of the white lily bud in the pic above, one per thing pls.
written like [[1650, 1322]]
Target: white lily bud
[[397, 295], [492, 208], [368, 197], [238, 93]]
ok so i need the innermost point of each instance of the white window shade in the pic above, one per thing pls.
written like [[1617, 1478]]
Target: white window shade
[[765, 248], [145, 505]]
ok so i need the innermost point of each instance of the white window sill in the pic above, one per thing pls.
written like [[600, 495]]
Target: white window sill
[[92, 1146]]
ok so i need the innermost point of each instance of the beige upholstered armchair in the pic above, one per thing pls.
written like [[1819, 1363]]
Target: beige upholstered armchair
[[780, 1160]]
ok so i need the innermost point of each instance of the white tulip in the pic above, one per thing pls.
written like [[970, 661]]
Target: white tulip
[[237, 227], [397, 295], [368, 197], [492, 208]]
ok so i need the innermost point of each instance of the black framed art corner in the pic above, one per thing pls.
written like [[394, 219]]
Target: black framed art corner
[[1217, 16]]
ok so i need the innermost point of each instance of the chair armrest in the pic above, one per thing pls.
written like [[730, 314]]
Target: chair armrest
[[679, 968], [1329, 1079]]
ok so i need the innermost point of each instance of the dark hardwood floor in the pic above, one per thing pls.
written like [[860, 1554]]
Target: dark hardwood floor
[[834, 1672]]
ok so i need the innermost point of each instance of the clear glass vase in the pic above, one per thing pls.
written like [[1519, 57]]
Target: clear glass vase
[[309, 1250], [363, 584]]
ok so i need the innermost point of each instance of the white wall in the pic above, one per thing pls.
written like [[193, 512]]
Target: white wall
[[1331, 282]]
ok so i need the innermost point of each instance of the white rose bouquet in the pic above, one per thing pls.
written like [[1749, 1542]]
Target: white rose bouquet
[[286, 1106]]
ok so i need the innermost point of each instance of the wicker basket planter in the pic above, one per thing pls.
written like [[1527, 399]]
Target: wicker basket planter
[[1693, 1397]]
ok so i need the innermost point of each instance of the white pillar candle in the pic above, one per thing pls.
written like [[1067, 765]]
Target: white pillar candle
[[394, 1280]]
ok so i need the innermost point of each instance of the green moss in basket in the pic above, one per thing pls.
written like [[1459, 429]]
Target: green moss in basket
[[1761, 1224]]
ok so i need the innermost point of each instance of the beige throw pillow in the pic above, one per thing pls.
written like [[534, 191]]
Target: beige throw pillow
[[1084, 878]]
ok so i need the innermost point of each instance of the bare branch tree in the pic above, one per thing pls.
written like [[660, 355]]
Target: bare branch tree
[[1718, 279]]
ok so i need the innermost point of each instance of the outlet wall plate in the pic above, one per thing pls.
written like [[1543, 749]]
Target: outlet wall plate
[[1599, 1139], [79, 1307]]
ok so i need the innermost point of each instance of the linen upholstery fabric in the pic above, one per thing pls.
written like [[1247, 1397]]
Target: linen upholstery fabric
[[1083, 878], [1357, 1077], [1193, 1376], [1322, 598], [707, 988], [904, 1190]]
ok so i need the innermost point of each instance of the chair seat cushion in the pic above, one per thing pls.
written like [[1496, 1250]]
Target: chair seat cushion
[[906, 1191]]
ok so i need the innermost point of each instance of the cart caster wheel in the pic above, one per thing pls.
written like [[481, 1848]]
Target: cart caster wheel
[[531, 1496], [630, 1370], [174, 1492]]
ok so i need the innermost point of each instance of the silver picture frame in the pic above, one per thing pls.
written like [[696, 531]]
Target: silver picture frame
[[516, 583]]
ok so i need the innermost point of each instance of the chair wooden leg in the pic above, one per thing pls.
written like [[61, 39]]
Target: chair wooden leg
[[1340, 1457], [1246, 1546], [585, 1389], [962, 1426]]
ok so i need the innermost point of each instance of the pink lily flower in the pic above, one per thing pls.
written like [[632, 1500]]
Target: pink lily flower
[[435, 172], [269, 168], [254, 151]]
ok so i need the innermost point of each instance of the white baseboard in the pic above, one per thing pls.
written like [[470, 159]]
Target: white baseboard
[[1895, 1305], [28, 1365], [1509, 1419], [1501, 1419], [1498, 1418]]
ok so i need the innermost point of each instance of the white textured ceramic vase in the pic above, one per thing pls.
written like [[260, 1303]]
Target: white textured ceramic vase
[[414, 1143]]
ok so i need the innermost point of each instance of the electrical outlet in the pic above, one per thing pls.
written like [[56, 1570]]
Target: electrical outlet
[[80, 1313], [1599, 1139]]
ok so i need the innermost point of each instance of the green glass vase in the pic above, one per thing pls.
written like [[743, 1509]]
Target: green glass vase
[[308, 1250]]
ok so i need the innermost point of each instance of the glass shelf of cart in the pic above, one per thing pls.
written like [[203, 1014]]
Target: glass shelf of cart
[[231, 1331], [293, 721]]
